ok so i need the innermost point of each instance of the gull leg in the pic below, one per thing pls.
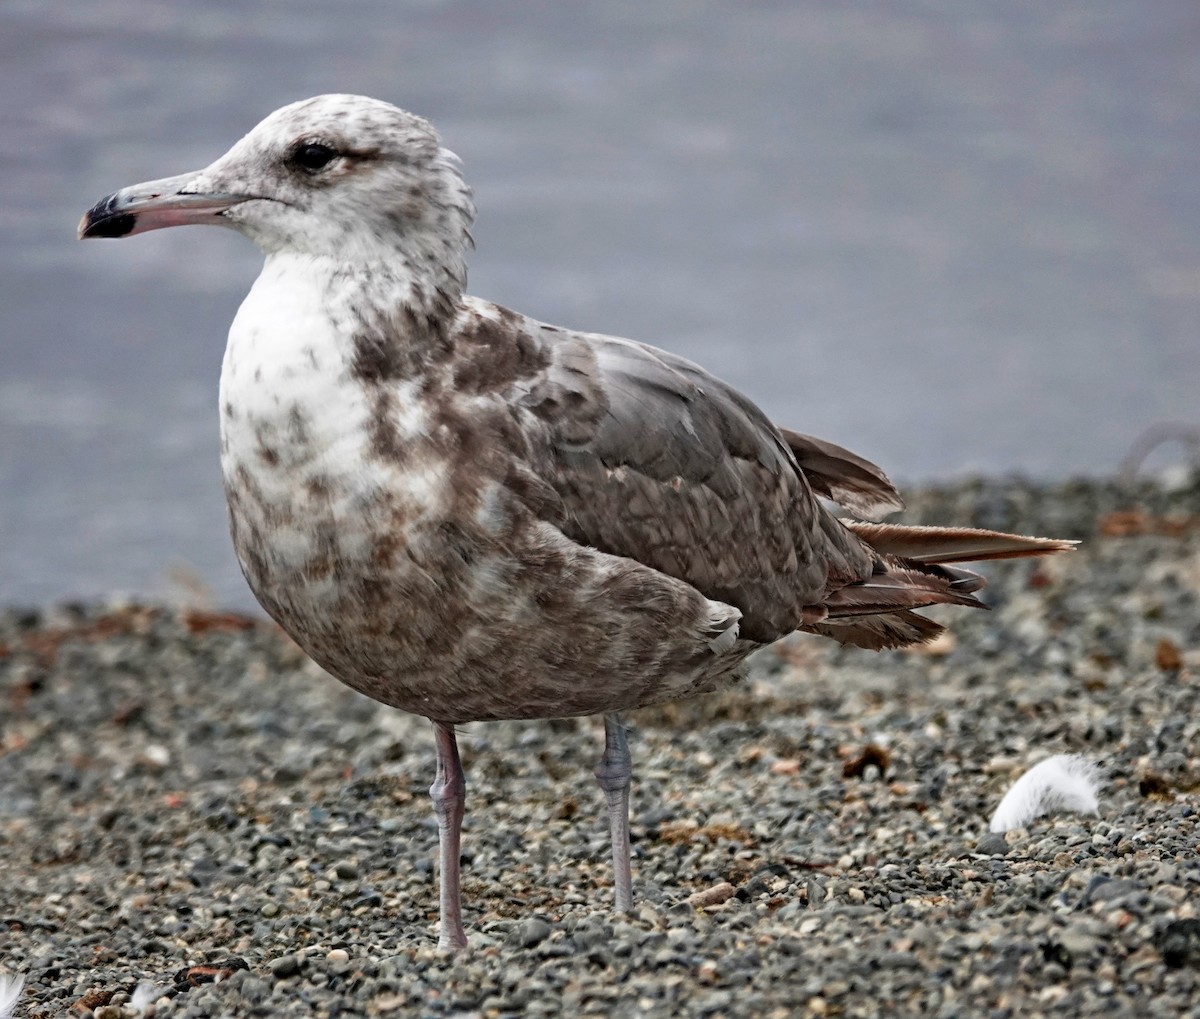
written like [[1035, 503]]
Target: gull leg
[[613, 773], [449, 793]]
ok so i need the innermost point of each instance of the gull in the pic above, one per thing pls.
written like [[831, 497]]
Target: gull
[[469, 514]]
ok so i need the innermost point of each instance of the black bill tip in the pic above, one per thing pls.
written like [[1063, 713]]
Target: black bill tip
[[117, 225], [106, 219]]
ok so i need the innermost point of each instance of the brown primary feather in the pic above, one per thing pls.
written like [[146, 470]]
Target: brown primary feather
[[904, 585], [952, 544], [913, 570]]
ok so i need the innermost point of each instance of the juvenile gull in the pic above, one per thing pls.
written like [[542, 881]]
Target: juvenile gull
[[468, 514]]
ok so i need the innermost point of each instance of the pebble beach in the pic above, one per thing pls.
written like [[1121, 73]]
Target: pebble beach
[[196, 821]]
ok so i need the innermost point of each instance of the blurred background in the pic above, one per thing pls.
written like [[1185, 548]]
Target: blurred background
[[955, 237]]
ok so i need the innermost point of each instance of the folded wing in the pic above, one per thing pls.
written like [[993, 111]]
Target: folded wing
[[656, 460], [651, 458]]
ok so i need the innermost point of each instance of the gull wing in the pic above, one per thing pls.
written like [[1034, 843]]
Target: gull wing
[[643, 454], [654, 459]]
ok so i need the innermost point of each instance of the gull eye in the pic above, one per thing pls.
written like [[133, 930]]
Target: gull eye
[[313, 156]]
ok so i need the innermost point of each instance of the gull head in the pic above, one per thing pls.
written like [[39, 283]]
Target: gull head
[[339, 176]]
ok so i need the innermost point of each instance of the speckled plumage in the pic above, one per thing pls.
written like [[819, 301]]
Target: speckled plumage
[[398, 516], [471, 515]]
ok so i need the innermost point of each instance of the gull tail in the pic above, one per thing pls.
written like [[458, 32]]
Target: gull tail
[[913, 569]]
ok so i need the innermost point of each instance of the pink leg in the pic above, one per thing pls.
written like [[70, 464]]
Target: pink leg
[[449, 793], [613, 774]]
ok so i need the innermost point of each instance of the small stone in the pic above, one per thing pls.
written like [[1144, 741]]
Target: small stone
[[533, 932], [648, 914], [816, 892], [713, 896], [1078, 944], [1179, 942], [992, 844], [1167, 656], [285, 966], [1105, 889], [338, 956], [715, 1001], [679, 935], [156, 755], [346, 870]]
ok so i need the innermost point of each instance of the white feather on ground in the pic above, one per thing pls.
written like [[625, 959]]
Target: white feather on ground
[[144, 997], [1062, 782], [10, 991]]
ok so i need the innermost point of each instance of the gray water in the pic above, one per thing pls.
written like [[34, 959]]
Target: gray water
[[954, 236]]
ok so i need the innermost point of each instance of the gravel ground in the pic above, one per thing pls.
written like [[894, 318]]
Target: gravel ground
[[185, 802]]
